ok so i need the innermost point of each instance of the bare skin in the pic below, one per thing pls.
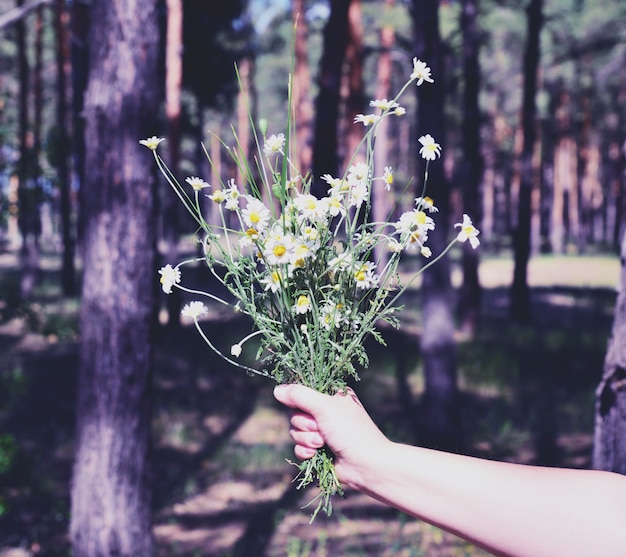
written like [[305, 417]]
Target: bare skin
[[508, 509]]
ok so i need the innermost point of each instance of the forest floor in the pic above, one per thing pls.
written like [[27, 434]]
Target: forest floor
[[222, 483]]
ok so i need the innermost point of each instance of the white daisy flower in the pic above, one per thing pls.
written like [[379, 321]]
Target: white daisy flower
[[274, 144], [231, 196], [430, 150], [279, 249], [426, 204], [169, 277], [366, 119], [255, 215], [384, 104], [302, 305], [152, 142], [194, 310], [197, 183], [421, 72], [468, 232]]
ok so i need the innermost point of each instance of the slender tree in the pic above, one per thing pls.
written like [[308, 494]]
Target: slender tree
[[302, 105], [382, 200], [38, 89], [79, 55], [68, 272], [609, 444], [471, 170], [439, 417], [110, 512], [353, 79], [173, 89], [520, 292], [325, 143], [29, 193], [565, 182], [24, 76]]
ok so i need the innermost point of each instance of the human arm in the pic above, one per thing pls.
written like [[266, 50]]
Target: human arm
[[509, 509]]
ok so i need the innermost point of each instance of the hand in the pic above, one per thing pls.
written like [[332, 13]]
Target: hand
[[338, 421]]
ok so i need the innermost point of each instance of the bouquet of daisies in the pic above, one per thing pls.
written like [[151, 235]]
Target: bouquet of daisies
[[302, 268]]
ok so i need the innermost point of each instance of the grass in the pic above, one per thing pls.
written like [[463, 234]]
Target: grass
[[222, 484]]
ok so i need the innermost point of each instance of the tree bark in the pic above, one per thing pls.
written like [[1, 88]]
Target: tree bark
[[439, 420], [382, 200], [110, 513], [173, 87], [24, 76], [471, 164], [520, 292], [244, 106], [38, 91], [29, 193], [354, 96], [79, 53], [302, 105], [609, 446], [325, 142], [68, 272]]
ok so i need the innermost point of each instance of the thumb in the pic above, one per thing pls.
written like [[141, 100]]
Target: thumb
[[301, 398]]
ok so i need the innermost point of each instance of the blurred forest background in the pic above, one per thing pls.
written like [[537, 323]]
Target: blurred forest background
[[120, 434]]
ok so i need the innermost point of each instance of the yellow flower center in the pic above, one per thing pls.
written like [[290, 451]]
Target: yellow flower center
[[421, 217], [302, 301], [280, 250], [255, 217], [360, 275]]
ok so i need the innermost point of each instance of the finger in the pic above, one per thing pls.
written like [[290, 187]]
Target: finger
[[304, 453], [303, 422], [301, 397], [310, 439]]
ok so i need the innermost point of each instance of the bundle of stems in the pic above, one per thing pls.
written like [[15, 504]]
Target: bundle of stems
[[305, 269]]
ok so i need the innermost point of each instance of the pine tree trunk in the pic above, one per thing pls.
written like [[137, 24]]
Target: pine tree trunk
[[173, 86], [29, 193], [68, 273], [110, 512], [325, 142], [609, 447], [439, 419], [354, 96], [302, 105], [79, 52], [520, 292], [471, 164], [24, 87], [38, 90], [382, 200]]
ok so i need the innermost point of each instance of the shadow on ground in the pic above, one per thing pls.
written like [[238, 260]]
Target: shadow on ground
[[222, 486]]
